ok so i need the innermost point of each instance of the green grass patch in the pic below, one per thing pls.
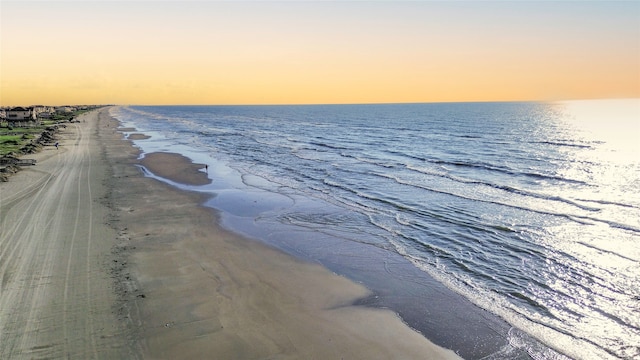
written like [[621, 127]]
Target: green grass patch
[[14, 139], [11, 143]]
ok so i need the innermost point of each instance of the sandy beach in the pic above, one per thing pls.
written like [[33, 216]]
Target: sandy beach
[[99, 261], [57, 297]]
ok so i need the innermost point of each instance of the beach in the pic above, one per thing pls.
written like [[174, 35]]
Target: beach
[[99, 261], [57, 297]]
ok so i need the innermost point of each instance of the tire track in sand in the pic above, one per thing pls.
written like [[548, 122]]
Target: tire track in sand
[[56, 300]]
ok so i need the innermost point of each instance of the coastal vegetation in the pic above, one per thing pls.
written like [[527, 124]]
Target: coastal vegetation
[[21, 140], [13, 140], [16, 141]]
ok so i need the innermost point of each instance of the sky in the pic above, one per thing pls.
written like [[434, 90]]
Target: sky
[[263, 52]]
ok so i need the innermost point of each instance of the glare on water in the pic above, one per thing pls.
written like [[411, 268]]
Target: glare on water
[[601, 283]]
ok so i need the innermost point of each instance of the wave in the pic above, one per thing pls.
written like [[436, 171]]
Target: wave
[[147, 114], [607, 251], [507, 188], [581, 219], [469, 136], [486, 167], [550, 177], [563, 143], [607, 202], [405, 155], [328, 146], [578, 218]]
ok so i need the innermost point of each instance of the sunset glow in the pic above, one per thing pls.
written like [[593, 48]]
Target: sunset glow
[[156, 52]]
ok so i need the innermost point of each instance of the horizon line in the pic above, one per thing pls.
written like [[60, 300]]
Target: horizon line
[[328, 104]]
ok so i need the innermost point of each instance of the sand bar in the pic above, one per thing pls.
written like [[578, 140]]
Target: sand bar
[[175, 167], [138, 136]]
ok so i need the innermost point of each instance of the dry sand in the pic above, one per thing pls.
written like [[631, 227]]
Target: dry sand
[[57, 298], [162, 280]]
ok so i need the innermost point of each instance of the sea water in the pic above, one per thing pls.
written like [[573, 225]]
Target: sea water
[[530, 211]]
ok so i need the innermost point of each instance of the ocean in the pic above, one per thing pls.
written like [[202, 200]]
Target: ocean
[[499, 230]]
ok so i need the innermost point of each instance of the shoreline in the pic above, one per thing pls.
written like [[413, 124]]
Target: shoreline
[[205, 290], [426, 305]]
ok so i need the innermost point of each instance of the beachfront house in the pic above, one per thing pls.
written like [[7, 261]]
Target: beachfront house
[[65, 109], [20, 113], [44, 112], [45, 115], [21, 117]]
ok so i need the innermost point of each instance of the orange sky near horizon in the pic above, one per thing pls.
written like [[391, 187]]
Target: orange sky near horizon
[[159, 52]]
